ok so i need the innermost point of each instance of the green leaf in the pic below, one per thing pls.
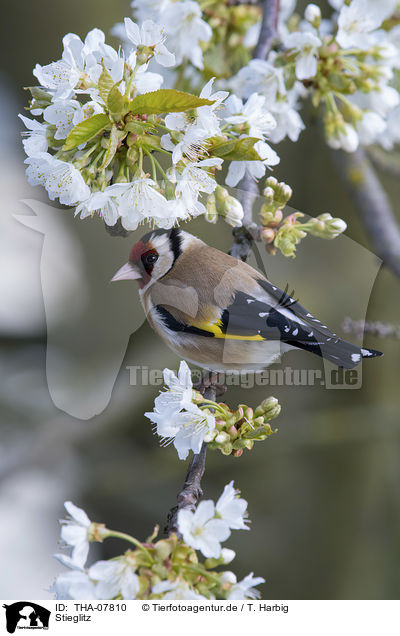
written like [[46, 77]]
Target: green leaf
[[237, 150], [39, 93], [152, 142], [139, 127], [111, 148], [115, 101], [166, 100], [106, 83], [86, 130]]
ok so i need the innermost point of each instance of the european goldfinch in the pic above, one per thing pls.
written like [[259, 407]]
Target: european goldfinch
[[220, 313]]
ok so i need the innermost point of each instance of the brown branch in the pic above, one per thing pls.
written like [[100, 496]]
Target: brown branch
[[248, 188], [191, 492], [372, 205], [269, 25]]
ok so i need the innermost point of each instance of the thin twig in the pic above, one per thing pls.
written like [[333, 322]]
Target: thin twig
[[372, 205], [248, 189], [379, 329], [191, 492]]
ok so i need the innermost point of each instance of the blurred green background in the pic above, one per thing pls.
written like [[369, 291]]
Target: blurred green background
[[323, 493]]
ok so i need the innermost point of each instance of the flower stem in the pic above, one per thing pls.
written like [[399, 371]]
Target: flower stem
[[198, 570], [130, 539], [160, 169], [153, 165]]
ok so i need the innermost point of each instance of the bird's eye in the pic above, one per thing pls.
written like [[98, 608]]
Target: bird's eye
[[151, 259], [148, 260]]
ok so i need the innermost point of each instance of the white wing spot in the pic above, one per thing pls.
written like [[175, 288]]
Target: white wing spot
[[366, 353], [356, 357], [295, 332]]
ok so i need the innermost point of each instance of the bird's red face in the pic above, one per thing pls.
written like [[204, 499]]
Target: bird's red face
[[142, 259]]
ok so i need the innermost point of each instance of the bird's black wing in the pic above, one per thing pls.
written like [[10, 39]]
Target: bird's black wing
[[250, 319], [286, 301]]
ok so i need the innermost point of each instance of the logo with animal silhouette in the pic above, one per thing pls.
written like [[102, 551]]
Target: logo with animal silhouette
[[26, 615]]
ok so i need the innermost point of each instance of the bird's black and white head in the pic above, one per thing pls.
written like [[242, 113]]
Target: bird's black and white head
[[153, 256]]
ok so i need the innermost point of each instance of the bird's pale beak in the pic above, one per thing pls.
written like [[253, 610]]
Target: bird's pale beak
[[126, 272]]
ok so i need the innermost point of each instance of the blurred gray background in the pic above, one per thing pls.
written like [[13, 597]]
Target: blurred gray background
[[323, 493]]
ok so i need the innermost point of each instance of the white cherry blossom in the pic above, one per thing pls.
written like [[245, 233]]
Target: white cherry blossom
[[176, 590], [74, 585], [186, 29], [253, 113], [358, 21], [115, 577], [103, 203], [187, 429], [256, 169], [202, 531], [149, 34], [345, 138], [179, 390], [61, 179], [35, 138], [370, 127], [260, 76], [306, 47], [75, 533], [137, 201], [245, 588], [231, 508]]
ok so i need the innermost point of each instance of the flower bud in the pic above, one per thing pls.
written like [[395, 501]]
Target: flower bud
[[234, 211], [163, 549], [211, 207], [313, 15], [226, 449], [271, 407], [267, 234], [222, 437], [227, 555], [271, 182], [228, 577], [324, 226], [238, 452], [269, 193], [259, 421], [210, 436], [270, 218]]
